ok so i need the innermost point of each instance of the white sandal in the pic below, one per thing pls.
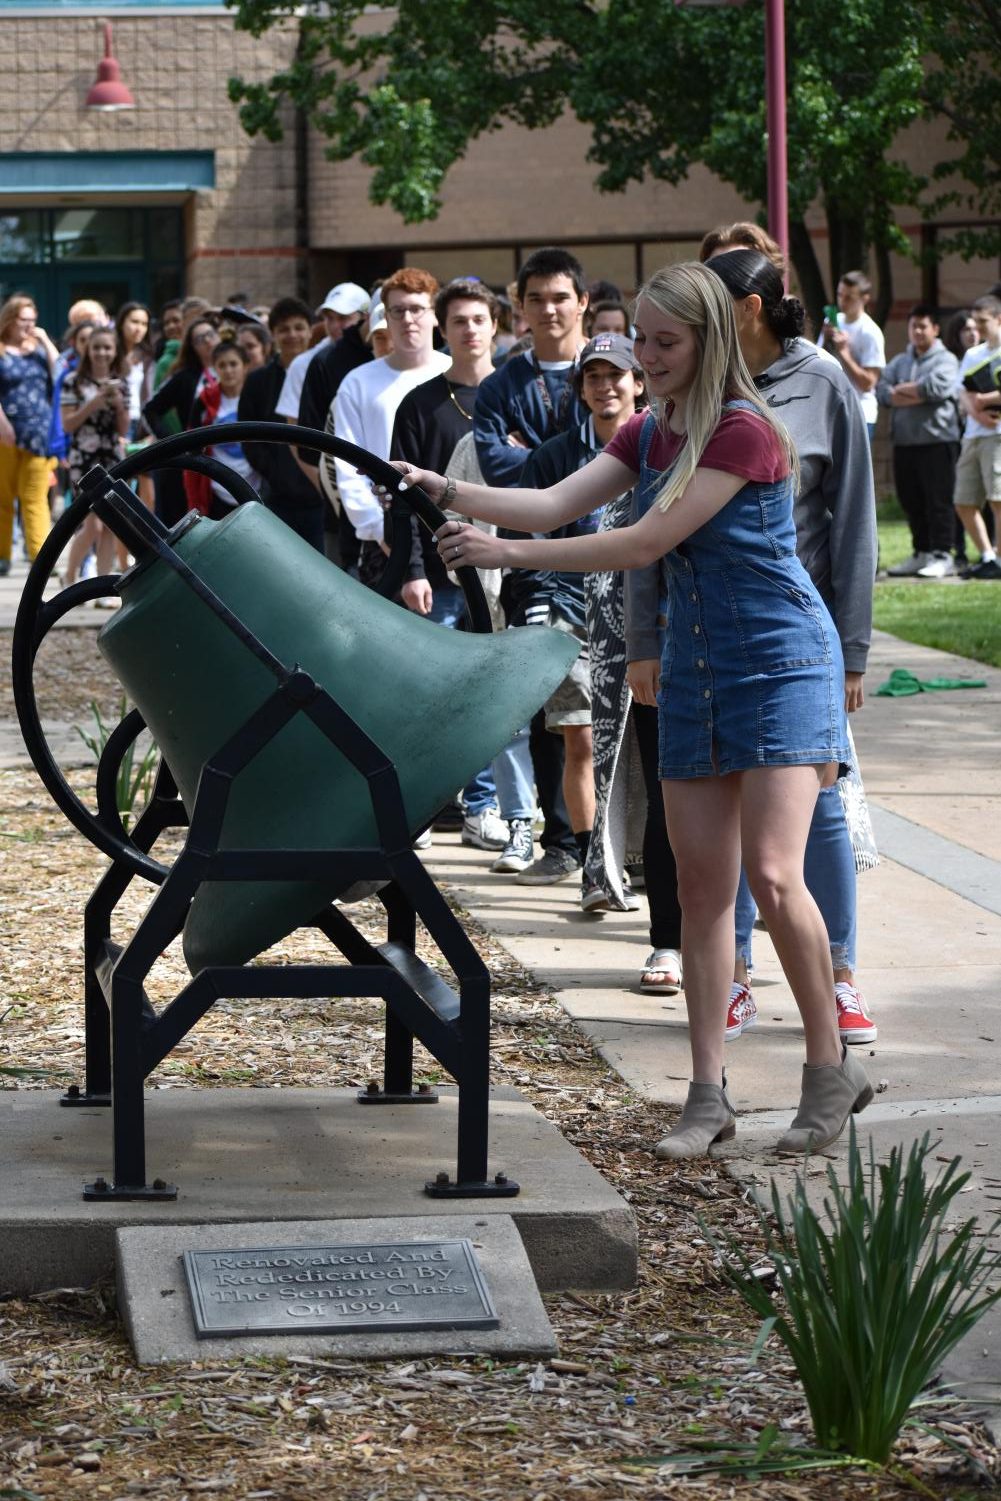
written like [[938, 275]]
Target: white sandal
[[662, 974]]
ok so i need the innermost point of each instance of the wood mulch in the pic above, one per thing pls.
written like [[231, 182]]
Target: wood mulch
[[659, 1371]]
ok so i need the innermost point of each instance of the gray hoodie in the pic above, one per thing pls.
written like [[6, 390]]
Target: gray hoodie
[[834, 511], [936, 420]]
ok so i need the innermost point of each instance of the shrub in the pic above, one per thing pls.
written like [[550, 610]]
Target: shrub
[[876, 1290]]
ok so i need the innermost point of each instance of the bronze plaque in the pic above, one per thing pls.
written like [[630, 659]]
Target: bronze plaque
[[432, 1284]]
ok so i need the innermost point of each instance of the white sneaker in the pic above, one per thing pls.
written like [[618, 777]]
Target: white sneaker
[[939, 566], [519, 849], [910, 566], [485, 831], [423, 840]]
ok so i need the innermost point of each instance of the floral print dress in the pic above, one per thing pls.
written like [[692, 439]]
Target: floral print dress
[[26, 397], [96, 441]]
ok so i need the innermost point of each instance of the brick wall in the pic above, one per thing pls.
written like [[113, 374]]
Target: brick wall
[[241, 233], [519, 187]]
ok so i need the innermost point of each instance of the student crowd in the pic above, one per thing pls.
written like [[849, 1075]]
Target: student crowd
[[568, 424]]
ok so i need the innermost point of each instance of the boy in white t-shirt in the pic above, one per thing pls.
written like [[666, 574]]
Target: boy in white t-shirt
[[978, 473], [857, 343]]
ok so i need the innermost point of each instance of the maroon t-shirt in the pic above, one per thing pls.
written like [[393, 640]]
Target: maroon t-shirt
[[743, 444]]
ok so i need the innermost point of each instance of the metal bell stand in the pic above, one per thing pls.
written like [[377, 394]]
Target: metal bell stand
[[126, 1038]]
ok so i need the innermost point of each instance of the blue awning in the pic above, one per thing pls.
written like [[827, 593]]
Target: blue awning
[[111, 172]]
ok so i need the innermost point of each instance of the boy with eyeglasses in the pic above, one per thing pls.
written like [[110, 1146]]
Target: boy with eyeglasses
[[364, 408]]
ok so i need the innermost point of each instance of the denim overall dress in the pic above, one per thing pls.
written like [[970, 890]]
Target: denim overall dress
[[752, 672]]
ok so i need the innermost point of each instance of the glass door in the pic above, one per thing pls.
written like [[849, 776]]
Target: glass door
[[34, 282], [108, 285], [112, 253]]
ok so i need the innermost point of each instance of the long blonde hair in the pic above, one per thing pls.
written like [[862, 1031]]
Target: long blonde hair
[[691, 294]]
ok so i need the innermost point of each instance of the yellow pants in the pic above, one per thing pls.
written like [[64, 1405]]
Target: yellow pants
[[24, 477]]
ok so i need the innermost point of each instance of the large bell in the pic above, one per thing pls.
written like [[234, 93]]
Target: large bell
[[439, 703]]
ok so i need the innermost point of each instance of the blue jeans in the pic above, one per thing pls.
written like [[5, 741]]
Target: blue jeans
[[448, 608], [514, 778], [829, 868]]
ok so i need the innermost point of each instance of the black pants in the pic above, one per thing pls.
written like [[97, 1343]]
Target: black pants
[[169, 498], [925, 477], [659, 869], [547, 763], [306, 520]]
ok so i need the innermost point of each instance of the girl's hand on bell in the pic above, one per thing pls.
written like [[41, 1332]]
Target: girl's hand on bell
[[432, 484], [467, 547]]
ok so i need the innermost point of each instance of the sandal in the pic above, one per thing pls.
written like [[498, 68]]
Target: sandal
[[662, 973]]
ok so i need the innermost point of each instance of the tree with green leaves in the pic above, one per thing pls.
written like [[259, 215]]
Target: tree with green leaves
[[662, 86], [962, 87]]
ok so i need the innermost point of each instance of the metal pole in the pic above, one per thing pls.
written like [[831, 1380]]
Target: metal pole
[[775, 94]]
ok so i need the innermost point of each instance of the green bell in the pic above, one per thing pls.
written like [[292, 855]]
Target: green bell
[[439, 703]]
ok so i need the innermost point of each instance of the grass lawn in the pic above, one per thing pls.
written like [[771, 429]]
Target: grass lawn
[[964, 618]]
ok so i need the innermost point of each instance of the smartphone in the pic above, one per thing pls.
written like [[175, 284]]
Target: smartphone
[[831, 314]]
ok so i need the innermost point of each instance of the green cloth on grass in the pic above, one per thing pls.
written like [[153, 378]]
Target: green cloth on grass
[[902, 683]]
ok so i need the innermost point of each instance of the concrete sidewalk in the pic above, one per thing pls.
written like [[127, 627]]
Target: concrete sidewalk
[[89, 615], [63, 736]]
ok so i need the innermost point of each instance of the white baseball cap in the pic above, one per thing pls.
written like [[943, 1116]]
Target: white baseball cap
[[377, 315], [347, 297]]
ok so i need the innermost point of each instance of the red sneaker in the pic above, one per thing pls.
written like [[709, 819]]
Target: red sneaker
[[742, 1012], [853, 1023]]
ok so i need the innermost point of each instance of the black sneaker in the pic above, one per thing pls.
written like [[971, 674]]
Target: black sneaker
[[989, 568], [519, 852], [554, 866]]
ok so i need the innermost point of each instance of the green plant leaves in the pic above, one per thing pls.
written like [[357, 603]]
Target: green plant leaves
[[136, 773], [876, 1289]]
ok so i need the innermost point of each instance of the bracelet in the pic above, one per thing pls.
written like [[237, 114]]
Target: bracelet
[[448, 494]]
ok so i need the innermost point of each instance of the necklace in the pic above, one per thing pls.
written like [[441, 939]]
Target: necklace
[[455, 402]]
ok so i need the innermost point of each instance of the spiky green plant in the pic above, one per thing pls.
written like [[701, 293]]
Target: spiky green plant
[[876, 1290], [136, 772]]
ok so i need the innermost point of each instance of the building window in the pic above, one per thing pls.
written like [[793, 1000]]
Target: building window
[[109, 252]]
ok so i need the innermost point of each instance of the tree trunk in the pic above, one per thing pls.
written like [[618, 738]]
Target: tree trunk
[[846, 229], [808, 272], [884, 295]]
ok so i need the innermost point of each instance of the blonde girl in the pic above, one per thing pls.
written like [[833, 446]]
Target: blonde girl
[[751, 701]]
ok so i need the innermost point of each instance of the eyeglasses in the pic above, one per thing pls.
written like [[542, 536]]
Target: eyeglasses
[[203, 338], [399, 313]]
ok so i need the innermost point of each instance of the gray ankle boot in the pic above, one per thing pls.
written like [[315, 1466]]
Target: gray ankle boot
[[708, 1116], [830, 1093]]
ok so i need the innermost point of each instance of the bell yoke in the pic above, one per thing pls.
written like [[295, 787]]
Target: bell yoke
[[308, 729]]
